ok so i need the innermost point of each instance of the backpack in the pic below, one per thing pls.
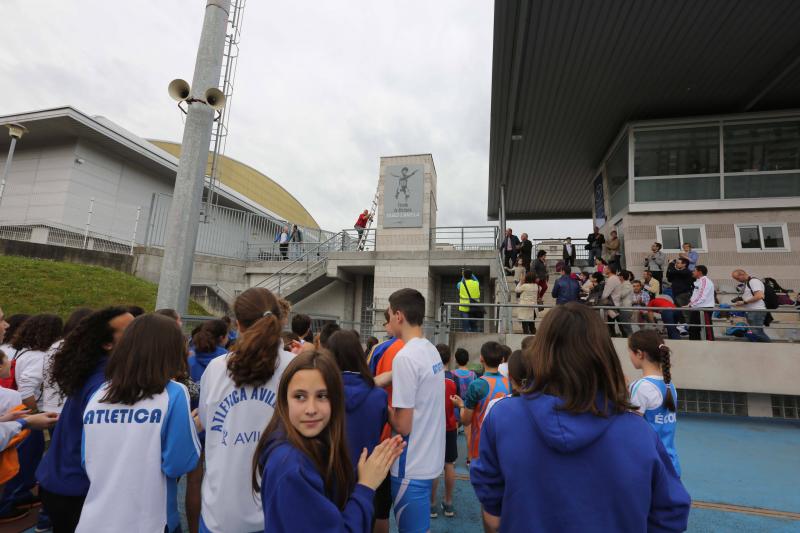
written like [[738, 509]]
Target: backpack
[[11, 381], [770, 296]]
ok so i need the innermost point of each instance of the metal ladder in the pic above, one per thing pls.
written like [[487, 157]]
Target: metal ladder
[[219, 133], [373, 207]]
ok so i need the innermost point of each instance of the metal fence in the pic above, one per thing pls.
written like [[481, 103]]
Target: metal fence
[[464, 238], [554, 248], [233, 233], [722, 322]]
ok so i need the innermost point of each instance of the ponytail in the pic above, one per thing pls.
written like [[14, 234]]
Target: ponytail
[[208, 336], [665, 353], [255, 356], [650, 343]]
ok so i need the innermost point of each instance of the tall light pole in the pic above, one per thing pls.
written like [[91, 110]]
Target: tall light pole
[[15, 131], [184, 212]]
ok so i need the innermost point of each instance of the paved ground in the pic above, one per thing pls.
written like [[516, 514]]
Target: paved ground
[[742, 474]]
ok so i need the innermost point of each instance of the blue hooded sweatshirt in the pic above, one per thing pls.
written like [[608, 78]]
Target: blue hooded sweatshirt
[[544, 469], [198, 362], [61, 471], [366, 414], [566, 289], [293, 495]]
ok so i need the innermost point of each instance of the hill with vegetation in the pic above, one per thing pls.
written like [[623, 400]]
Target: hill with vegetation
[[41, 286]]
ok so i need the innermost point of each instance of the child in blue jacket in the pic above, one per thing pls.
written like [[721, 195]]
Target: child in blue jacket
[[306, 477], [568, 454]]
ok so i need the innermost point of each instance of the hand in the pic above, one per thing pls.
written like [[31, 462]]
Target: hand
[[372, 470], [12, 415], [457, 401], [198, 425], [739, 303], [42, 420]]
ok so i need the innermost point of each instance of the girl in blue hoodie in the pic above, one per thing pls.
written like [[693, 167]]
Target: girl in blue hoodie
[[365, 404], [302, 459], [209, 343], [568, 454]]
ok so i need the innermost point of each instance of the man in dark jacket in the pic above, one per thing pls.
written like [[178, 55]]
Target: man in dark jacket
[[568, 252], [566, 288], [509, 248], [595, 246], [525, 251], [681, 280]]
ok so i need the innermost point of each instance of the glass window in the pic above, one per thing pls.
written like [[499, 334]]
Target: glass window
[[673, 237], [762, 185], [664, 190], [675, 152], [749, 238], [773, 236], [617, 173], [762, 147], [762, 237], [692, 236]]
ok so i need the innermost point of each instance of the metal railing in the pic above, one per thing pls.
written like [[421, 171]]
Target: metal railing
[[464, 238], [311, 263], [47, 232], [227, 232], [554, 248], [784, 328]]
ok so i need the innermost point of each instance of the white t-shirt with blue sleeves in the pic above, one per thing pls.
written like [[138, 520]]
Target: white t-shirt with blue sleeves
[[128, 452], [418, 383], [648, 395], [233, 419]]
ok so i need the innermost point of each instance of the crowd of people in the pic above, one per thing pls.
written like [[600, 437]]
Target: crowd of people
[[276, 427], [679, 292]]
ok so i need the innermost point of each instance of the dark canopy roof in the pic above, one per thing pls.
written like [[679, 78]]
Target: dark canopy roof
[[567, 75]]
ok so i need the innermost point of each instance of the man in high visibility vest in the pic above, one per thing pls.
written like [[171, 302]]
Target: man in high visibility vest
[[469, 290]]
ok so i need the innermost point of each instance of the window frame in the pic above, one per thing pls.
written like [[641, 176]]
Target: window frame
[[786, 243], [681, 227]]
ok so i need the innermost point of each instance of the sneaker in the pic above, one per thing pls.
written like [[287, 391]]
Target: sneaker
[[13, 515], [43, 524], [434, 512], [448, 510]]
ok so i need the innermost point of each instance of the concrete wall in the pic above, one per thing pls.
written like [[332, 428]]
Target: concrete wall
[[123, 263], [331, 300], [48, 184], [722, 257], [226, 274], [38, 183], [718, 366]]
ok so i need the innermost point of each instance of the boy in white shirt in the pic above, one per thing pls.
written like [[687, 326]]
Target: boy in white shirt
[[417, 414]]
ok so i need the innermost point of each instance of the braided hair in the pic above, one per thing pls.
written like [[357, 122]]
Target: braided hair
[[650, 343]]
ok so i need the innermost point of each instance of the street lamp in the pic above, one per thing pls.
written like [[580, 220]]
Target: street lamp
[[15, 131]]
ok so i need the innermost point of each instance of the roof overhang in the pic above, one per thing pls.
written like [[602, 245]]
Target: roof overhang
[[50, 126], [568, 75]]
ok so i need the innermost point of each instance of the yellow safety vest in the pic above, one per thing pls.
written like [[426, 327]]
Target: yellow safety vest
[[463, 298]]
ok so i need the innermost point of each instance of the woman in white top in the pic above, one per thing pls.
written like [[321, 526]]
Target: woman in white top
[[52, 400], [138, 430], [237, 398], [528, 292], [13, 323]]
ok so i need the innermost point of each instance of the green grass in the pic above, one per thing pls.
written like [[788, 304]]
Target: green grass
[[40, 286]]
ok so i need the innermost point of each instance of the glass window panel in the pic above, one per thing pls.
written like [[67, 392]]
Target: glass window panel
[[677, 189], [762, 185], [671, 238], [759, 147], [748, 237], [619, 200], [693, 237], [773, 236], [676, 151]]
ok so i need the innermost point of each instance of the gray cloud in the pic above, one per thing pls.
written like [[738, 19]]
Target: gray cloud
[[323, 88]]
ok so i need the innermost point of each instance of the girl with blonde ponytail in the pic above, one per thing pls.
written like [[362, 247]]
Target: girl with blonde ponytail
[[654, 395], [238, 392]]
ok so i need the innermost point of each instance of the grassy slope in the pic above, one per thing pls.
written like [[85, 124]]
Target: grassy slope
[[40, 286]]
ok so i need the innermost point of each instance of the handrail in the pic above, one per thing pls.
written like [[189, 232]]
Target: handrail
[[302, 258]]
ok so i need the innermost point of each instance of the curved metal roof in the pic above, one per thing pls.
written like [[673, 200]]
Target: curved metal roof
[[567, 75], [256, 186]]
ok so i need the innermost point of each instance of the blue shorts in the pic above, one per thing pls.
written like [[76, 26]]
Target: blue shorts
[[412, 504]]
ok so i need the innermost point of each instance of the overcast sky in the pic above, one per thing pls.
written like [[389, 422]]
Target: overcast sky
[[323, 88]]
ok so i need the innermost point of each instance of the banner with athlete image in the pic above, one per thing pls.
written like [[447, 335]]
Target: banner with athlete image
[[402, 196]]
